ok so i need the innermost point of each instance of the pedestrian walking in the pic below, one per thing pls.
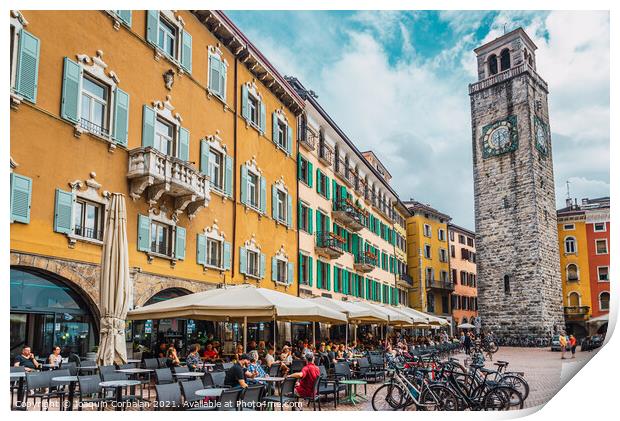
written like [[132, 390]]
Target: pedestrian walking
[[572, 341], [467, 343], [563, 344]]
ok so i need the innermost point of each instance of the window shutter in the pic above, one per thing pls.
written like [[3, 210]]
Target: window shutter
[[318, 222], [263, 118], [222, 90], [309, 220], [262, 265], [186, 51], [310, 174], [345, 282], [179, 243], [263, 195], [244, 102], [289, 211], [71, 81], [214, 76], [318, 181], [299, 215], [27, 73], [274, 205], [144, 233], [274, 269], [244, 184], [121, 116], [243, 260], [336, 272], [124, 16], [204, 157], [148, 126], [21, 197], [319, 274], [63, 214], [274, 127], [310, 270], [327, 188], [299, 167], [201, 249], [228, 175], [328, 280], [152, 26], [183, 144], [289, 139], [227, 255]]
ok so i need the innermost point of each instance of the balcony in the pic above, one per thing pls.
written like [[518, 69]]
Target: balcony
[[439, 285], [326, 155], [153, 174], [349, 214], [329, 245], [576, 312], [309, 140], [365, 262], [405, 280], [505, 75]]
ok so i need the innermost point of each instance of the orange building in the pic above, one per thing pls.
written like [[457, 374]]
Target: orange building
[[597, 236], [462, 243]]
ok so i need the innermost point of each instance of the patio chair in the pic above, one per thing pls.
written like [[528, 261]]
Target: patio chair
[[151, 363], [274, 370], [330, 386], [227, 366], [60, 388], [90, 391], [71, 366], [87, 367], [229, 400], [252, 398], [217, 378], [168, 396], [287, 394], [163, 376], [38, 385], [297, 366], [127, 366], [163, 362], [192, 401], [15, 384], [105, 369], [316, 396]]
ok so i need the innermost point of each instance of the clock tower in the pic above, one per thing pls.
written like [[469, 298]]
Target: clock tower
[[518, 262]]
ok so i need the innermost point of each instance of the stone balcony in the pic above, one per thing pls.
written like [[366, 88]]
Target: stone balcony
[[365, 262], [576, 312], [153, 175], [326, 155], [329, 245], [309, 140], [349, 215], [505, 75], [405, 280], [439, 285]]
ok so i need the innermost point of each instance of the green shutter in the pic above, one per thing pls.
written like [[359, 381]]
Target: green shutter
[[345, 282], [327, 188], [71, 81], [21, 198], [262, 265], [318, 181], [152, 26], [227, 255], [289, 139], [63, 213], [223, 80], [179, 243], [274, 269], [204, 157], [310, 270], [289, 211], [144, 233], [319, 217], [299, 213], [228, 175], [291, 274], [336, 278], [27, 73], [319, 274], [186, 51], [310, 174], [274, 202], [183, 154], [263, 195], [299, 159], [329, 274], [201, 249], [310, 220], [121, 117], [148, 126]]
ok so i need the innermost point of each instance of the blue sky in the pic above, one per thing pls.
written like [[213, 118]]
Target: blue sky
[[396, 83]]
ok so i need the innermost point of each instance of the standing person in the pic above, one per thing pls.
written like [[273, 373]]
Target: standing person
[[307, 376], [27, 360], [467, 343], [55, 359], [572, 341], [563, 345], [235, 377]]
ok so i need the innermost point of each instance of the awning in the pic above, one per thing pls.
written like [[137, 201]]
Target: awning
[[395, 318], [466, 326], [238, 302], [354, 312], [600, 319]]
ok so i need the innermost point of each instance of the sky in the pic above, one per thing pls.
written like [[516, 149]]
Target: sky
[[396, 82]]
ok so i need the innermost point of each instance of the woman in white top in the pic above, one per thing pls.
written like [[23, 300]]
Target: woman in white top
[[55, 358]]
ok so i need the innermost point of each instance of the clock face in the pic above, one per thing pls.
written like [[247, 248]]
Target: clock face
[[540, 136], [500, 137]]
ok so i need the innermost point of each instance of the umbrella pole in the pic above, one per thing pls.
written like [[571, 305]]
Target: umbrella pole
[[245, 333], [274, 332], [346, 335], [313, 333], [355, 333]]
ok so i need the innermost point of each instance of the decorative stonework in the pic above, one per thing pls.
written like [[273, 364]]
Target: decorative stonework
[[165, 109], [169, 79], [214, 232], [252, 245], [89, 190], [215, 141]]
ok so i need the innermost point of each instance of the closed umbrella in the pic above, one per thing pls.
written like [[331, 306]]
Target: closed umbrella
[[114, 285], [466, 326]]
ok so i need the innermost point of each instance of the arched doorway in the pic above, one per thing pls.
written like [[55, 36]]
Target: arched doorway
[[47, 310]]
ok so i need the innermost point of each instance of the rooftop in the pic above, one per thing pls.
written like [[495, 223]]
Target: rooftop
[[573, 206], [415, 206]]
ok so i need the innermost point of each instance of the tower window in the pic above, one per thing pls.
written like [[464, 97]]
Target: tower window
[[493, 64], [570, 245], [507, 284], [504, 59]]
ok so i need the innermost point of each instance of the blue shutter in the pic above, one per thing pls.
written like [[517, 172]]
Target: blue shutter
[[183, 144], [227, 255], [71, 81], [27, 74], [124, 16], [223, 80], [274, 269], [152, 25], [244, 184], [204, 157], [228, 175], [148, 126], [201, 249], [289, 139], [274, 202], [243, 260], [179, 244], [291, 274], [263, 195], [310, 220], [289, 211], [21, 198], [63, 213], [186, 51], [244, 102], [274, 127], [121, 117], [144, 233], [262, 265], [310, 270], [263, 118], [214, 66]]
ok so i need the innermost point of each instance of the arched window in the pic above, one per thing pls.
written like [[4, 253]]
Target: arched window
[[603, 301], [493, 64], [572, 272], [573, 299], [504, 59], [570, 245], [507, 284]]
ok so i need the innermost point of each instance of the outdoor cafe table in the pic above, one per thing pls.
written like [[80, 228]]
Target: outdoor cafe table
[[71, 380], [135, 372], [273, 380], [190, 374], [352, 395], [118, 385], [208, 365], [19, 376], [215, 392], [133, 361]]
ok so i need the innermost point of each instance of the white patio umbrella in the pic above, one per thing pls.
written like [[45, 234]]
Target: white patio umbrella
[[114, 285], [466, 326]]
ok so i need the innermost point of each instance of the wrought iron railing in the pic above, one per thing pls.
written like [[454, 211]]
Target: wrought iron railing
[[505, 75], [326, 239], [344, 205], [437, 284], [93, 128], [366, 259], [576, 310], [91, 233]]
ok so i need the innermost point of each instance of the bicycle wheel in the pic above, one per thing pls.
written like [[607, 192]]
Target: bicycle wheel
[[517, 382], [437, 397], [502, 398], [388, 397]]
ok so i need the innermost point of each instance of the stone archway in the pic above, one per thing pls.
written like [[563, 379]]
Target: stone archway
[[147, 285]]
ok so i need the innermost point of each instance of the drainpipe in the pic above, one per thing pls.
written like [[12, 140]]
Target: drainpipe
[[234, 177]]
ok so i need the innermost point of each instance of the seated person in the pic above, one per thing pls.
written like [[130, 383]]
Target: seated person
[[172, 356], [254, 368], [235, 377], [55, 359], [270, 358], [307, 376], [210, 353], [238, 352], [286, 358], [193, 360], [27, 360]]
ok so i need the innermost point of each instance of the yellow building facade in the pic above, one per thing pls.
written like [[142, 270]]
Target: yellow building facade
[[180, 113], [428, 259]]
